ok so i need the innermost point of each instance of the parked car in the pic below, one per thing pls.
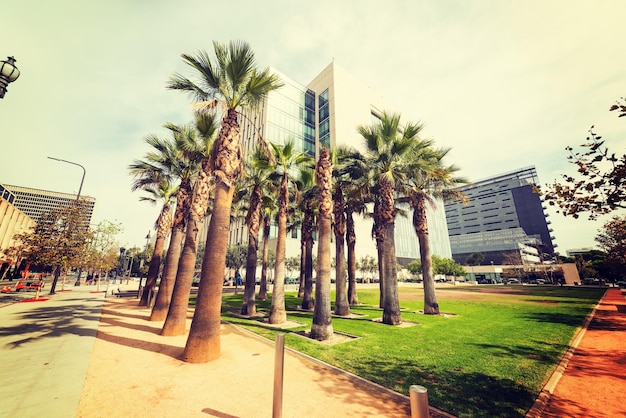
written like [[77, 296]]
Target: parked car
[[513, 281]]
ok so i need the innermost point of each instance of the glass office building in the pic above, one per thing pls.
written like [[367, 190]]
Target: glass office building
[[326, 113], [504, 215]]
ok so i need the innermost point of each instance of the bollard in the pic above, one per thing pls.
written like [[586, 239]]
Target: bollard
[[419, 402], [279, 360]]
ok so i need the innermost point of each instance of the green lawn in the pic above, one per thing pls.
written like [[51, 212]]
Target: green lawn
[[488, 358]]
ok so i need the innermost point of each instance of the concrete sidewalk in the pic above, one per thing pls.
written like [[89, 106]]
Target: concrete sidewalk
[[45, 350], [79, 354]]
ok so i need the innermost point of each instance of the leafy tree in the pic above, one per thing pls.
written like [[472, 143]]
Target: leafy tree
[[103, 249], [292, 264], [236, 257], [612, 239], [600, 186], [447, 266], [475, 259], [58, 241], [414, 267], [232, 82]]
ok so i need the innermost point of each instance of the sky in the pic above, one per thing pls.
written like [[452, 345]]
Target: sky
[[505, 84]]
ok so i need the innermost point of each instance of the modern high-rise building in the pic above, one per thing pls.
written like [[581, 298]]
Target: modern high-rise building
[[35, 202], [504, 218], [327, 112]]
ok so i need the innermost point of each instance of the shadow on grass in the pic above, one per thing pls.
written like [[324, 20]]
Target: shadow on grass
[[457, 391], [572, 320], [549, 354]]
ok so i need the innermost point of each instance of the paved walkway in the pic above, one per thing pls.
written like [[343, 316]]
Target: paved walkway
[[45, 349], [49, 349]]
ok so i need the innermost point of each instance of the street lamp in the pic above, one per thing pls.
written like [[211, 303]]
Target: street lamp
[[80, 188], [8, 74]]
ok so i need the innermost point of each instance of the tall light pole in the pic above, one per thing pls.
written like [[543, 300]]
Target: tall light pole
[[80, 188], [8, 74]]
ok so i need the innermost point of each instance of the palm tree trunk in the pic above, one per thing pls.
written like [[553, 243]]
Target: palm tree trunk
[[278, 314], [391, 308], [153, 270], [266, 249], [249, 304], [302, 264], [389, 278], [166, 287], [342, 307], [353, 298], [420, 224], [176, 319], [307, 264], [203, 343], [322, 327]]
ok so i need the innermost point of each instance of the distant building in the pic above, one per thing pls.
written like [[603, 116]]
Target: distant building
[[35, 202], [326, 112], [573, 252], [12, 222], [504, 218]]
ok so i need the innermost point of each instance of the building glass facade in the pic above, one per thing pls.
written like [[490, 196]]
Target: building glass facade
[[504, 214]]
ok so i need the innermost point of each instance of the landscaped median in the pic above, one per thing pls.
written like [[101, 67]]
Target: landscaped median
[[488, 355]]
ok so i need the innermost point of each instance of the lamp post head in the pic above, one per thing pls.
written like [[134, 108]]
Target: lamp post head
[[8, 74]]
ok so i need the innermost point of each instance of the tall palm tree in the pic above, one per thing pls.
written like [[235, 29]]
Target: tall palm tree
[[353, 170], [389, 147], [196, 148], [430, 179], [259, 181], [322, 326], [342, 306], [269, 210], [189, 144], [233, 82], [165, 193], [160, 163], [285, 158], [309, 192]]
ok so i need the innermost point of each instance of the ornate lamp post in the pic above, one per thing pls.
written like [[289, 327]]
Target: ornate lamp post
[[8, 74]]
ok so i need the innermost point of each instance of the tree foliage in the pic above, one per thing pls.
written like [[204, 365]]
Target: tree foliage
[[475, 259], [599, 186], [612, 239], [59, 238]]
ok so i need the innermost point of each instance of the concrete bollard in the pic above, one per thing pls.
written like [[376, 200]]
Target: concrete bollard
[[419, 402], [279, 361]]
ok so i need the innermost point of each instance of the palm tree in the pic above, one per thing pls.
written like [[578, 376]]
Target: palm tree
[[430, 179], [189, 144], [389, 147], [284, 159], [322, 327], [267, 262], [309, 195], [259, 181], [195, 143], [163, 192], [342, 307], [233, 82]]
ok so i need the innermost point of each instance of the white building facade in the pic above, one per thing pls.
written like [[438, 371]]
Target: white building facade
[[327, 112]]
